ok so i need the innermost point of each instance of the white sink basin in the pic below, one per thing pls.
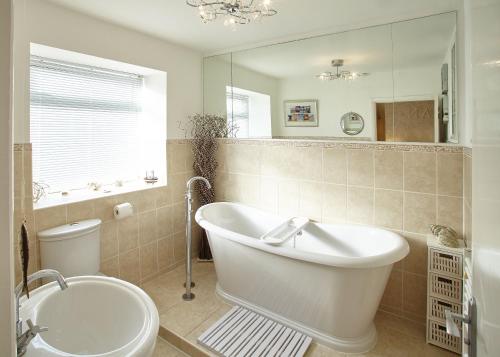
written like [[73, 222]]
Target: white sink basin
[[94, 316]]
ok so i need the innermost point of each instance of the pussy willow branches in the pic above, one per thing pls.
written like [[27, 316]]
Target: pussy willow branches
[[205, 129]]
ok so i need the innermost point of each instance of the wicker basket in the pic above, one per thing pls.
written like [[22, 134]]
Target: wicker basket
[[438, 306], [447, 288], [436, 334], [445, 263]]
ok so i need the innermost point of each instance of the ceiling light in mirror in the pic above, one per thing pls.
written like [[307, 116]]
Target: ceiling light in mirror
[[344, 75]]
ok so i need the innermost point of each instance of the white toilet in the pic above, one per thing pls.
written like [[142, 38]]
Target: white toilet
[[72, 249]]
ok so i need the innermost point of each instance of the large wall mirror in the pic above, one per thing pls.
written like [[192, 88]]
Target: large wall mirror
[[394, 82]]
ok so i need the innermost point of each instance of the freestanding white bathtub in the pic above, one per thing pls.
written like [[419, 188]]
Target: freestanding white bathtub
[[328, 286]]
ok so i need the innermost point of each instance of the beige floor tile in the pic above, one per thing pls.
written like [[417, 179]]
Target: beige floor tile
[[397, 337], [165, 349]]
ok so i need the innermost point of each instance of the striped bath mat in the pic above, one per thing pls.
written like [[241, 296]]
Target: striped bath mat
[[242, 332]]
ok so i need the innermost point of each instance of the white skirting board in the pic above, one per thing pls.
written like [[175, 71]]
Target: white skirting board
[[242, 332]]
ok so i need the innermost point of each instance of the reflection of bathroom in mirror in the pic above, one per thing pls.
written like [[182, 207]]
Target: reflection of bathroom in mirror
[[399, 79]]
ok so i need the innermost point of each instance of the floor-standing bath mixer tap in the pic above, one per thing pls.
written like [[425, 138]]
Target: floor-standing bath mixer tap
[[189, 210]]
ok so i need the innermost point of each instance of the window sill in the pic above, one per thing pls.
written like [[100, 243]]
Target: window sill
[[56, 199]]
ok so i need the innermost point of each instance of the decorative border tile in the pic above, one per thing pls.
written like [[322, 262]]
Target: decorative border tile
[[424, 147], [22, 146], [468, 151], [178, 141]]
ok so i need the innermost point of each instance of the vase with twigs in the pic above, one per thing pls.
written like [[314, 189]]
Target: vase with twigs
[[204, 130]]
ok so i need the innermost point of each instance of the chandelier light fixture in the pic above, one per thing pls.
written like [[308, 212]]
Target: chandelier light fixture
[[234, 12], [338, 74]]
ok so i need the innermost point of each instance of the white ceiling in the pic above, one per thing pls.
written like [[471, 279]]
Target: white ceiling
[[174, 21]]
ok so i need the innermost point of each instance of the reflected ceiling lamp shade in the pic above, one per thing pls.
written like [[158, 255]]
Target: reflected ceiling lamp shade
[[234, 12], [338, 74]]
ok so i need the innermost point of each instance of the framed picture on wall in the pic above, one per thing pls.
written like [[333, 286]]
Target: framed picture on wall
[[301, 112]]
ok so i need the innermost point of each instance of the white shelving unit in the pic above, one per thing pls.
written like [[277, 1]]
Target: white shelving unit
[[444, 291]]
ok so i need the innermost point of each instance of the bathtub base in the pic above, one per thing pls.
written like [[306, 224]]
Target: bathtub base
[[362, 344]]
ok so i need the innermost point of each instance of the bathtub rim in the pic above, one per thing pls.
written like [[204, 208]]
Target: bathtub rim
[[374, 261], [362, 344]]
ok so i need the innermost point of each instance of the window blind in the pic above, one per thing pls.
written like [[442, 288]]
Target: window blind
[[84, 124]]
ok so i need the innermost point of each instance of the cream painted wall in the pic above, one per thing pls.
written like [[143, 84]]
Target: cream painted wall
[[44, 23], [7, 345]]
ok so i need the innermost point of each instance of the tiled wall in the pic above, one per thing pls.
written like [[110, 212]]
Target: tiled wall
[[468, 196], [404, 188], [136, 248]]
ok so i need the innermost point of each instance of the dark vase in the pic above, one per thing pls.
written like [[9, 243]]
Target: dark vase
[[205, 252]]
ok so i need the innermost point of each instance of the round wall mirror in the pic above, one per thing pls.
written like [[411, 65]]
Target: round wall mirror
[[352, 123]]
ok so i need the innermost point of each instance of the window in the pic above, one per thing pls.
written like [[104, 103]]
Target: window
[[238, 110], [90, 125], [250, 111]]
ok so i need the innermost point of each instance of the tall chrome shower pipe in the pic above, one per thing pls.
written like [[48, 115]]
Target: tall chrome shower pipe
[[189, 210]]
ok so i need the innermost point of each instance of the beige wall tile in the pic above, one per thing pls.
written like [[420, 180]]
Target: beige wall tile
[[221, 185], [109, 240], [278, 161], [29, 214], [149, 260], [289, 191], [163, 196], [419, 212], [129, 266], [164, 221], [450, 212], [414, 294], [334, 203], [450, 173], [221, 157], [389, 209], [243, 159], [49, 217], [176, 157], [360, 205], [179, 217], [179, 246], [335, 165], [468, 179], [128, 234], [292, 162], [18, 174], [81, 211], [104, 208], [110, 267], [144, 200], [177, 184], [147, 227], [467, 225], [244, 189], [393, 294], [269, 194], [416, 260], [166, 252], [310, 199], [360, 167], [389, 169], [420, 172], [28, 173]]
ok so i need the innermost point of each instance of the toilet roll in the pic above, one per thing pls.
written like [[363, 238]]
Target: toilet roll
[[123, 210]]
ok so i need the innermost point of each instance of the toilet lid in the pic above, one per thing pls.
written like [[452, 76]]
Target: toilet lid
[[71, 230]]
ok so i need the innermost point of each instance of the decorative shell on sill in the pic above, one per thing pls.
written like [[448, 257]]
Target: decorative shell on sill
[[445, 235]]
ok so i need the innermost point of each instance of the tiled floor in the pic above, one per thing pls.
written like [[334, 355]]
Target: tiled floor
[[165, 349], [182, 322]]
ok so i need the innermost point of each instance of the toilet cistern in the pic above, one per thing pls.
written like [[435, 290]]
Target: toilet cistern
[[189, 210]]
